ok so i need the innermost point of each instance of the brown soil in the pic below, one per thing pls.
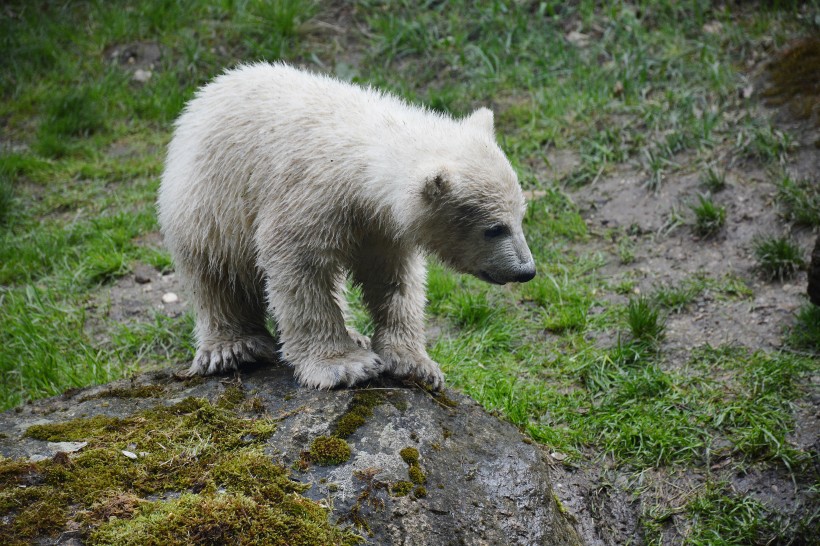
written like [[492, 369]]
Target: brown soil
[[139, 296]]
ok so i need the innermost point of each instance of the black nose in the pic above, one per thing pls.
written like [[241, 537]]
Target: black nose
[[526, 275]]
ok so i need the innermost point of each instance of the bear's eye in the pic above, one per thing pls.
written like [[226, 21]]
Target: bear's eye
[[496, 231]]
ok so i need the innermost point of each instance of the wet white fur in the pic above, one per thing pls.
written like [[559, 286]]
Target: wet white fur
[[279, 183]]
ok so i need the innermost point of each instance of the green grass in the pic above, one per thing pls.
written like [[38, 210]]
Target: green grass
[[709, 216], [677, 299], [646, 324], [778, 257], [6, 198], [626, 250], [800, 200], [713, 180], [805, 334], [565, 357], [724, 517], [758, 140]]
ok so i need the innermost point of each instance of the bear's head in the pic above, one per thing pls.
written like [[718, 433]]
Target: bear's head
[[473, 207]]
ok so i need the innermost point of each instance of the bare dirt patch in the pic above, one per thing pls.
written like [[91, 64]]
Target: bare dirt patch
[[140, 295]]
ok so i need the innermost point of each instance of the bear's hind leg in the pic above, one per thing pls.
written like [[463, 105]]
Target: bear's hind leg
[[315, 340], [230, 325]]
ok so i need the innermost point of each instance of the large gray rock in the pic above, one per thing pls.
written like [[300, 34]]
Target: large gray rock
[[484, 483]]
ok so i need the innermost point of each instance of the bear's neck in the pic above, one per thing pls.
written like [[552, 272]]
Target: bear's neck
[[402, 148]]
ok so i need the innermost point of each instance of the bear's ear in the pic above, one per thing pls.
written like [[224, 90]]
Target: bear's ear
[[436, 185], [481, 119]]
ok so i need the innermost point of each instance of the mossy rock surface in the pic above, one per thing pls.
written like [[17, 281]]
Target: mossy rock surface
[[213, 460]]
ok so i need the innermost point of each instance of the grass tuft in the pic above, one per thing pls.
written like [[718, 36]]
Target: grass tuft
[[709, 217], [805, 333], [677, 299], [626, 250], [778, 257], [713, 180], [74, 113], [69, 115], [563, 303], [645, 321], [472, 309], [800, 200], [764, 143], [721, 516]]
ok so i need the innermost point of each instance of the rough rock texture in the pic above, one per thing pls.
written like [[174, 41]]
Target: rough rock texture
[[484, 483]]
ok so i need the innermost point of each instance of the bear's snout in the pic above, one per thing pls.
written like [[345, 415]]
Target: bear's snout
[[521, 274], [511, 261], [527, 274]]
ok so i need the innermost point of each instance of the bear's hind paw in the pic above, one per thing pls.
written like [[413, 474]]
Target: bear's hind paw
[[227, 356], [346, 370]]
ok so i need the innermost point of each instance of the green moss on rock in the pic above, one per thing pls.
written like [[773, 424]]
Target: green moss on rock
[[76, 430], [329, 450], [444, 400], [361, 407], [229, 518], [232, 492], [399, 403], [253, 405], [137, 391], [231, 397], [347, 424], [401, 488], [410, 455], [416, 474]]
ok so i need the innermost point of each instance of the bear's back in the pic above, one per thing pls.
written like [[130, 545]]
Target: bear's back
[[280, 97], [264, 122]]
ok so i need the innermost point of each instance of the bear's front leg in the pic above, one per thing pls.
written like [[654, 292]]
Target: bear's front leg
[[312, 330], [393, 286]]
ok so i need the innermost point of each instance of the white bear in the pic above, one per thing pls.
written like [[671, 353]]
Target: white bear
[[279, 183]]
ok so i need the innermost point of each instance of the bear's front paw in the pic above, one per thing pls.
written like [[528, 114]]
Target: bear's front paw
[[411, 363], [225, 356], [347, 369]]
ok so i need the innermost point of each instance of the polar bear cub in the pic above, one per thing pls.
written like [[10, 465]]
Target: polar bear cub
[[280, 183]]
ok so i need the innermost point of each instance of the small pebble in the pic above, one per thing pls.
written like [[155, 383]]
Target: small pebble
[[169, 297], [142, 76]]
